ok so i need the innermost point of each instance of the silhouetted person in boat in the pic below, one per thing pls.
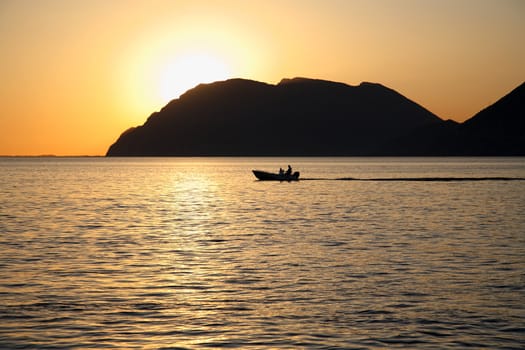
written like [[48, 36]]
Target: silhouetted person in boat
[[281, 171], [289, 171]]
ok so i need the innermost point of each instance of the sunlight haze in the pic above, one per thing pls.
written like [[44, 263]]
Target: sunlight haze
[[76, 74]]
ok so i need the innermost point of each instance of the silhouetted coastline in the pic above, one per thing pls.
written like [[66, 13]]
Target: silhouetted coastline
[[308, 117]]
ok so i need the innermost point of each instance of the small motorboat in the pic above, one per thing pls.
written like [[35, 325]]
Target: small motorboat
[[266, 176]]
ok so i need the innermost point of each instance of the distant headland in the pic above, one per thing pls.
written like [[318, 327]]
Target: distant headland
[[310, 117]]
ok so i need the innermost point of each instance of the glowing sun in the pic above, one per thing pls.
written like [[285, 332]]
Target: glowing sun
[[184, 72]]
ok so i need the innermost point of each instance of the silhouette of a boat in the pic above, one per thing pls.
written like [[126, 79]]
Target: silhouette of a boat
[[266, 176]]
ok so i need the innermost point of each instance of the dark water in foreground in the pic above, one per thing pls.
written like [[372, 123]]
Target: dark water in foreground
[[194, 253]]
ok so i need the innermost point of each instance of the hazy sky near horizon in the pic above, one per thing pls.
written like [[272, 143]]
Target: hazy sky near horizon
[[75, 74]]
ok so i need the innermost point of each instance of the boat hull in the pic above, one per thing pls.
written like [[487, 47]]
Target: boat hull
[[266, 176]]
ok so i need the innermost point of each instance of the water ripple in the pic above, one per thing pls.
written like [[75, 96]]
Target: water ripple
[[186, 253]]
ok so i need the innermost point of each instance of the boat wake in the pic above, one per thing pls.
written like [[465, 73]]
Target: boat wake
[[427, 179]]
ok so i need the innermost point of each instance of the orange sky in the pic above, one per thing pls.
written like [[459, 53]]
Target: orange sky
[[75, 74]]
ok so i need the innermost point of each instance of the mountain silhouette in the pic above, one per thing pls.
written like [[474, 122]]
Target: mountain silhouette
[[309, 117], [498, 129]]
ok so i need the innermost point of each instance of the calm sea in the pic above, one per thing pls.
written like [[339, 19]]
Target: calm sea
[[173, 253]]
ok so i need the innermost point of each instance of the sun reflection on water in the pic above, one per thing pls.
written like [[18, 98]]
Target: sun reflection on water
[[193, 253]]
